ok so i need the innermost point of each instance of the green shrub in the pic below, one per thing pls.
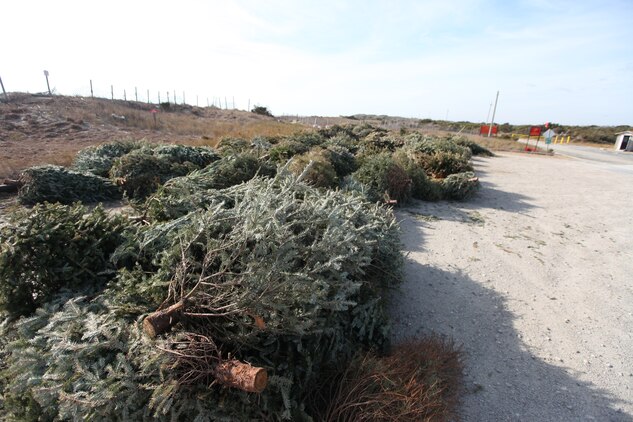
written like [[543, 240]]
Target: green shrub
[[58, 184], [51, 247], [261, 110]]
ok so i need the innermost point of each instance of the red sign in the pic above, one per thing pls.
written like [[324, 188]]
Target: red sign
[[485, 129], [535, 131]]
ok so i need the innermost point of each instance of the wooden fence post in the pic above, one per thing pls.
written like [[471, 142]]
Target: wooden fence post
[[92, 95], [136, 94], [6, 97], [112, 92], [47, 84]]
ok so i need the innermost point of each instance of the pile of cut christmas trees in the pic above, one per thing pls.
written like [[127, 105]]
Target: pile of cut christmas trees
[[243, 287]]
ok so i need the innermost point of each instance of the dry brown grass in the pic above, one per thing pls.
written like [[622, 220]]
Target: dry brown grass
[[52, 130], [419, 381]]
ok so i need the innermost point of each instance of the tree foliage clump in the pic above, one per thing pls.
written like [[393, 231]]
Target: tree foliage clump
[[231, 146], [315, 168], [57, 184], [460, 186], [198, 189], [55, 246], [443, 163], [287, 277], [473, 146], [384, 178], [98, 159], [143, 170]]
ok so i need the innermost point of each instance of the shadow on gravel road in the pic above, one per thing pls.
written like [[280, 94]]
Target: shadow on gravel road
[[503, 380]]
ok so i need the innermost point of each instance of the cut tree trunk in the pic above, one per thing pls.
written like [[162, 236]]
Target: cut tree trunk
[[243, 376], [10, 186], [161, 321]]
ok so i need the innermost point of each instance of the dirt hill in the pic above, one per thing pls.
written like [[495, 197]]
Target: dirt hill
[[36, 129]]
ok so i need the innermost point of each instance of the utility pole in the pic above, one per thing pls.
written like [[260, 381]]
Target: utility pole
[[47, 84], [488, 116], [124, 96], [92, 95], [148, 96], [136, 94], [494, 111], [112, 92]]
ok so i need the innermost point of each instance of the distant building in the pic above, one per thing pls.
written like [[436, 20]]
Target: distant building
[[624, 141]]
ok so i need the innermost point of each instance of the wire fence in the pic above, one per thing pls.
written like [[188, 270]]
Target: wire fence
[[145, 95]]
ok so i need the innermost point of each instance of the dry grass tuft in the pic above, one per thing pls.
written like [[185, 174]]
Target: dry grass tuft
[[419, 381]]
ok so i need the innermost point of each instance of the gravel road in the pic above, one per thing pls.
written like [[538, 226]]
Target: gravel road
[[534, 277]]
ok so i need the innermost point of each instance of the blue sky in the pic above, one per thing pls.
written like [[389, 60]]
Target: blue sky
[[563, 61]]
